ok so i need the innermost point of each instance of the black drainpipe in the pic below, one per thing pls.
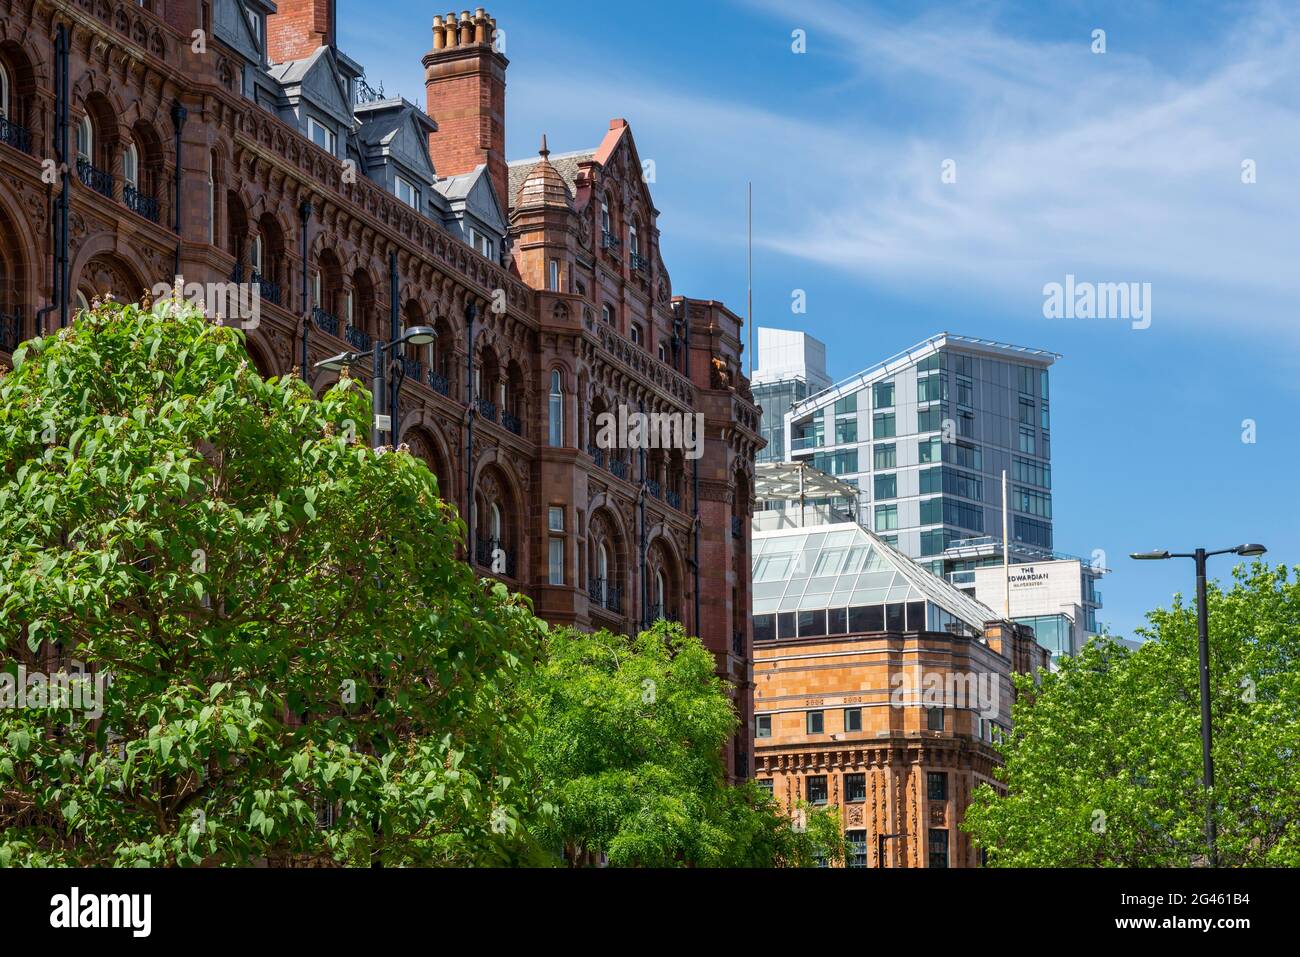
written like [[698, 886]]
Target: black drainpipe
[[179, 115], [394, 331], [62, 279], [469, 432], [304, 214]]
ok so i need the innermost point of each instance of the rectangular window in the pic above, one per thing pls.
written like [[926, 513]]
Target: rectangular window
[[887, 486], [866, 619], [846, 405], [406, 191], [1033, 532], [815, 789], [321, 135], [846, 431], [895, 617], [1033, 502], [931, 363], [1047, 446], [837, 621], [965, 392], [1027, 378], [933, 388], [856, 849], [763, 726], [557, 561], [886, 456], [767, 785], [555, 518], [933, 542], [765, 627], [882, 425], [886, 518], [554, 276], [1044, 422], [932, 511], [1042, 385], [931, 481], [883, 395], [938, 847], [1031, 472], [936, 785], [855, 788], [934, 719], [1026, 411], [815, 723], [1027, 439], [963, 365], [966, 424], [852, 719], [929, 420], [812, 624], [930, 450]]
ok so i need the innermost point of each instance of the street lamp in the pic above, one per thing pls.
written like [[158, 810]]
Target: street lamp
[[1203, 649], [415, 335]]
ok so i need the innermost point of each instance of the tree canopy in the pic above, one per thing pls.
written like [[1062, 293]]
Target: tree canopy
[[1103, 767], [290, 637]]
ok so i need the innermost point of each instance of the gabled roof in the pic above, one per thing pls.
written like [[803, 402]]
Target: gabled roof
[[322, 75], [473, 193], [844, 565]]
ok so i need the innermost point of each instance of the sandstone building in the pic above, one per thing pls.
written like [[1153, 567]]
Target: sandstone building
[[234, 140]]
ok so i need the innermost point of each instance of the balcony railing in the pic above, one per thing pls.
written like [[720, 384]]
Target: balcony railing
[[597, 454], [412, 368], [606, 594], [737, 527], [654, 488], [140, 204], [11, 134], [610, 241], [438, 383], [485, 552], [661, 613], [638, 263], [270, 291], [97, 179], [618, 467], [673, 498], [10, 331], [361, 341], [487, 408], [325, 321], [512, 422]]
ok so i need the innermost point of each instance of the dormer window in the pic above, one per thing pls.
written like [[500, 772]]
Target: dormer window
[[485, 245], [321, 135], [255, 25], [407, 192]]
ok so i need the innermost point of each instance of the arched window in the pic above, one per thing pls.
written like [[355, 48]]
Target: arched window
[[660, 592], [86, 140], [602, 572], [4, 92], [83, 305], [556, 410], [495, 523], [607, 314], [131, 166]]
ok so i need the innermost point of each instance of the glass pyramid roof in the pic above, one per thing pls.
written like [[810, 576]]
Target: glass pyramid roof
[[835, 566]]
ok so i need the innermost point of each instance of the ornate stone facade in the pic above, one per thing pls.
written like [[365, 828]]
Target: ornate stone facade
[[175, 161]]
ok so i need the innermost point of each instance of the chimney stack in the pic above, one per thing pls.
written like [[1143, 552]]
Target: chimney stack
[[298, 29], [465, 93]]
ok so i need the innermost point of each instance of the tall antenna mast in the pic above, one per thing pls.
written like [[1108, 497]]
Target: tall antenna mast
[[749, 283]]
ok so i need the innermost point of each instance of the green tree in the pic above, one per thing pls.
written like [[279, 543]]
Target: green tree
[[629, 745], [1104, 764], [288, 630]]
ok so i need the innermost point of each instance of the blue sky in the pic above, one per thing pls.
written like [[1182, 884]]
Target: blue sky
[[1117, 167]]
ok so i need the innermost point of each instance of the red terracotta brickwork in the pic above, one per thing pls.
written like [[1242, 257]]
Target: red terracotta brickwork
[[297, 29]]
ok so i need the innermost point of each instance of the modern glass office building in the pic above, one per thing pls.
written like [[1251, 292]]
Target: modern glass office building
[[791, 367]]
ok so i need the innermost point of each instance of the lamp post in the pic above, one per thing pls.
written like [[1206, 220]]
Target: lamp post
[[1203, 650], [416, 336]]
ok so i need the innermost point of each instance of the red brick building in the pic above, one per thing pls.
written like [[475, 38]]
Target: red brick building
[[233, 141]]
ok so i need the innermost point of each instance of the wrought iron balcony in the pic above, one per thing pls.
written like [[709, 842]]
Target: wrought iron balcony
[[486, 554], [412, 368], [512, 422], [19, 137], [140, 204], [737, 527], [438, 383], [618, 467], [673, 498], [325, 321], [487, 408], [361, 341], [270, 291], [660, 613], [597, 454], [654, 488], [610, 241], [97, 179], [638, 263], [10, 331], [606, 594]]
